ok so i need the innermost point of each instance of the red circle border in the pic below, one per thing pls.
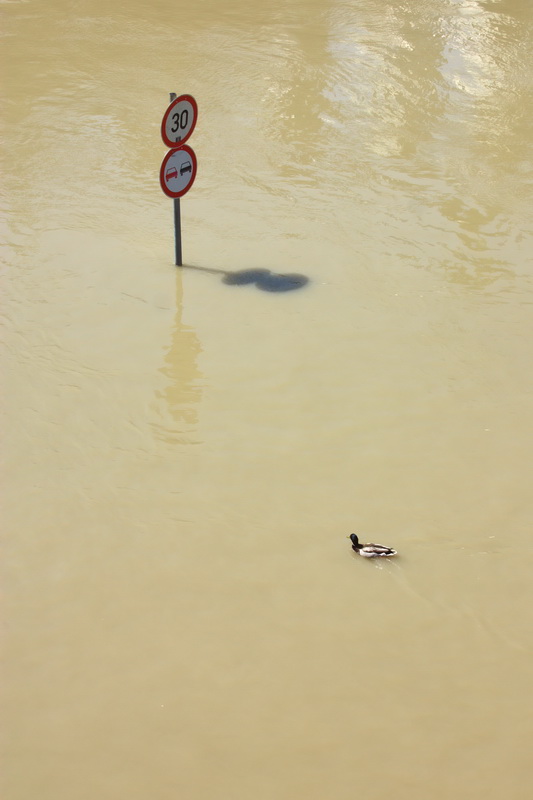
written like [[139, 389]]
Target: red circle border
[[194, 104], [170, 153]]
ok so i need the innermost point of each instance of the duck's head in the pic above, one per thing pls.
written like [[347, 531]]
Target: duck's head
[[354, 539]]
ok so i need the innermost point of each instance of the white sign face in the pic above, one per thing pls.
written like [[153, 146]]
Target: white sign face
[[178, 171], [179, 120]]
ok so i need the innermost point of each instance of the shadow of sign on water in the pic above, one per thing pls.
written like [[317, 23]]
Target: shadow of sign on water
[[263, 279]]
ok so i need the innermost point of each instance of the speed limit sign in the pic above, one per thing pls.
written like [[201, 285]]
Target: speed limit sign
[[179, 120]]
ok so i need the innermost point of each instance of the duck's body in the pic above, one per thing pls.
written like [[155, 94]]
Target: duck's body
[[371, 550]]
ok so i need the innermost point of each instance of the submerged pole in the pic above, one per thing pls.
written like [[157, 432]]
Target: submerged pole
[[177, 231], [177, 215]]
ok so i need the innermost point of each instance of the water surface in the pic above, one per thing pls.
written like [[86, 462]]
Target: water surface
[[187, 450]]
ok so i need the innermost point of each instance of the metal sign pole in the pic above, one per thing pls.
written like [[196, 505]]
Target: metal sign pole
[[179, 166], [177, 214], [177, 231]]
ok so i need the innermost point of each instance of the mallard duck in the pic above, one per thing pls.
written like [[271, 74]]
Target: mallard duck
[[370, 550]]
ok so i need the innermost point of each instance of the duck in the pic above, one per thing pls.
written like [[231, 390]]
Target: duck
[[370, 550]]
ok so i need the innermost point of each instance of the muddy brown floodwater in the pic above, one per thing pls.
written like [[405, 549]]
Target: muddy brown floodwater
[[187, 450]]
